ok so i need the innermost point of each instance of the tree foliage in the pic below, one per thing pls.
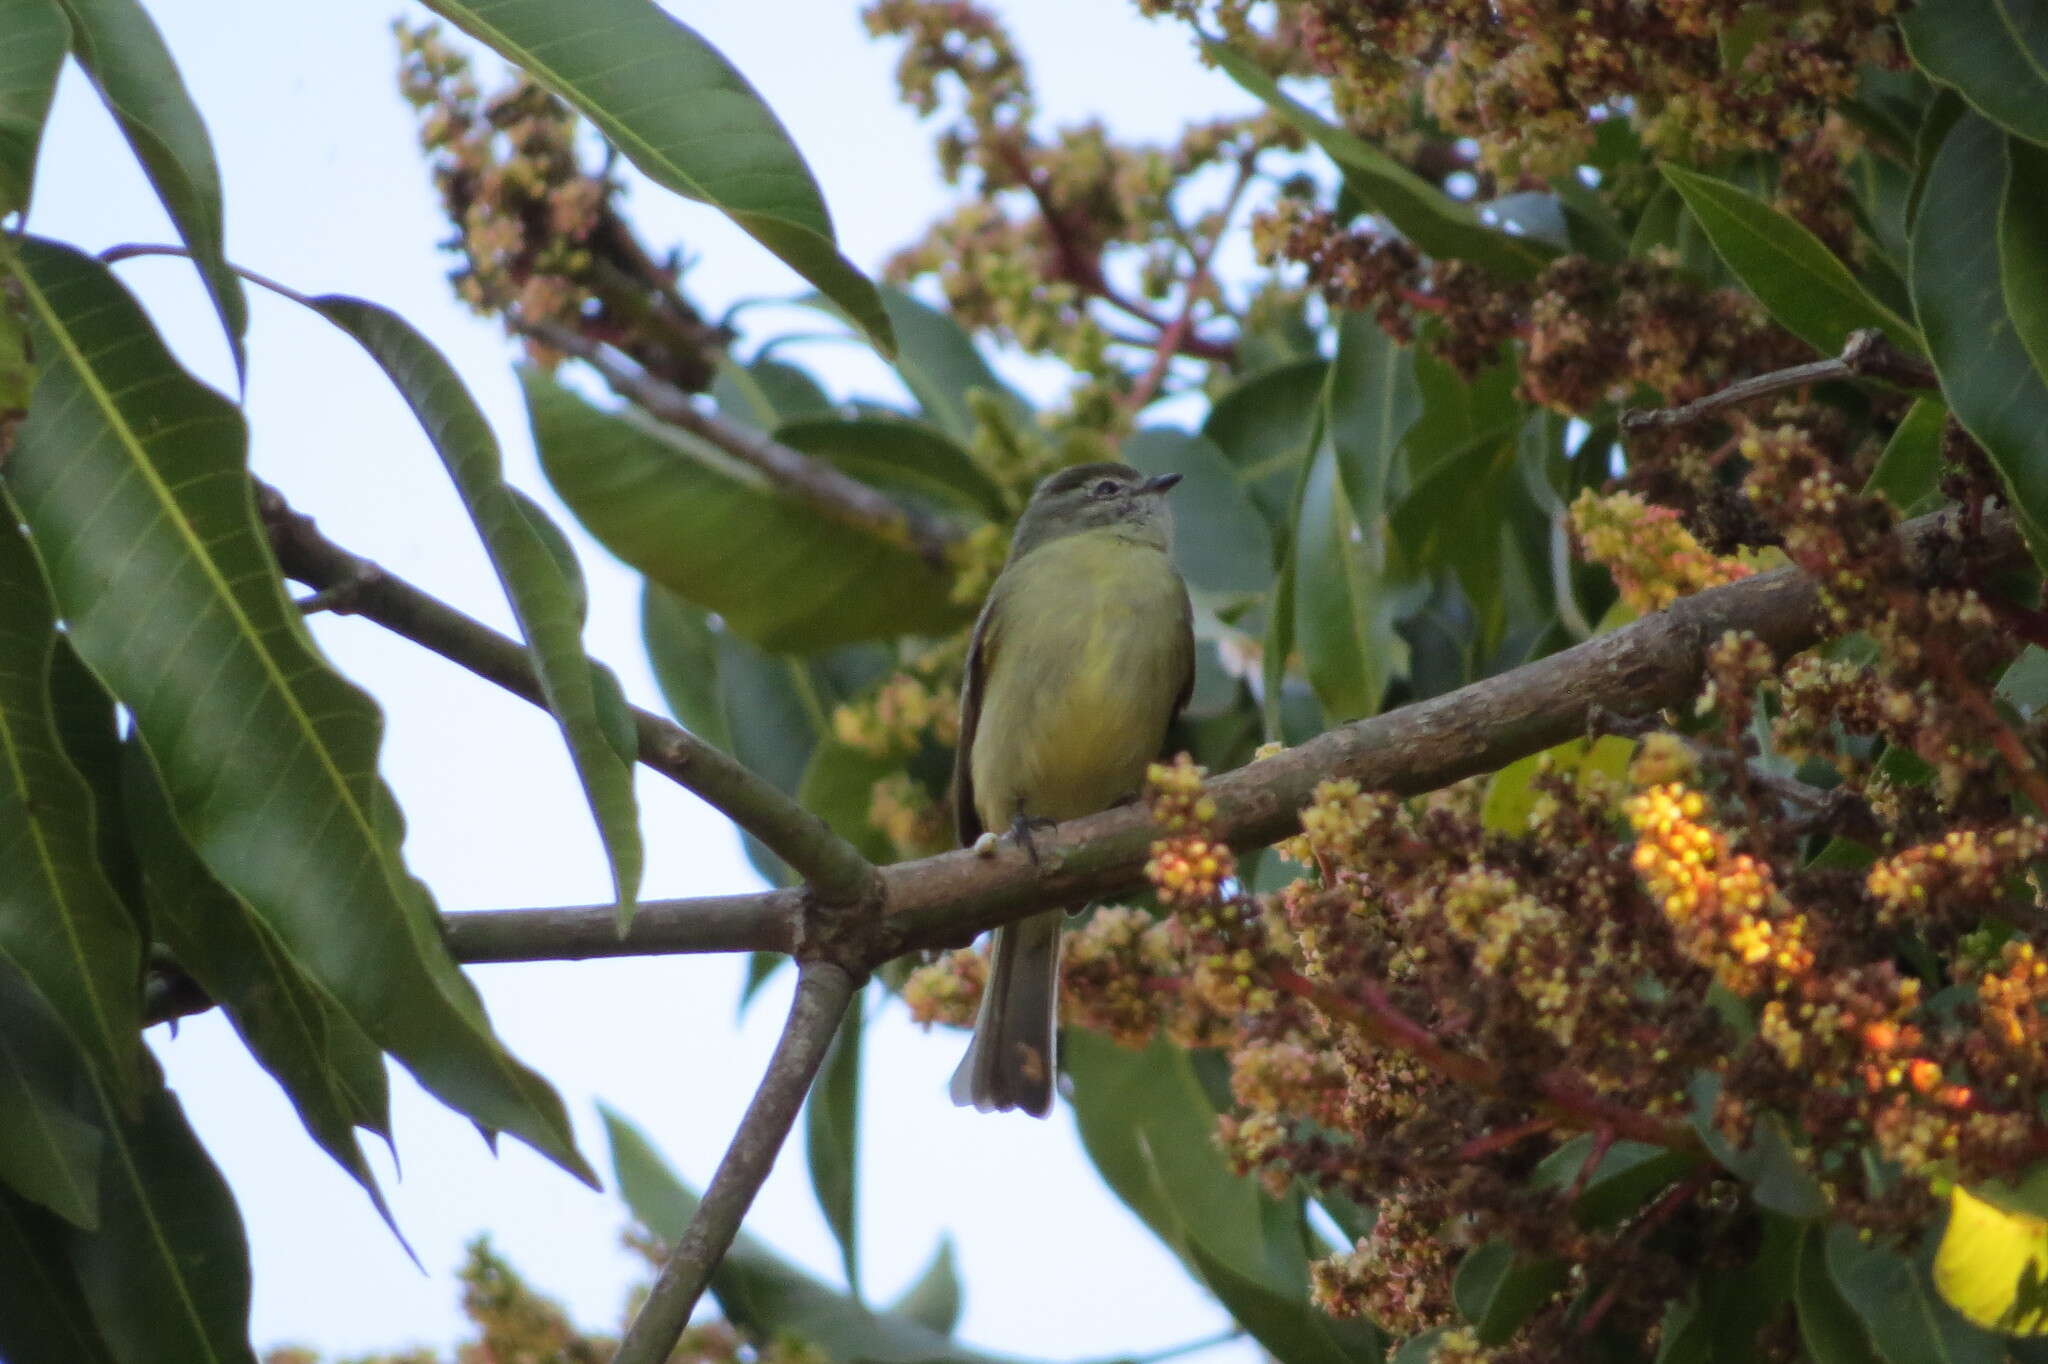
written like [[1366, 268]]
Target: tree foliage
[[1478, 331]]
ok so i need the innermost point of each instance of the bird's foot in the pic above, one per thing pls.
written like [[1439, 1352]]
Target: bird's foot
[[1023, 827]]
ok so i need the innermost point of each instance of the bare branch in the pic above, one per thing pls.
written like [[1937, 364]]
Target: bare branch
[[1867, 355], [823, 990], [834, 868], [813, 481]]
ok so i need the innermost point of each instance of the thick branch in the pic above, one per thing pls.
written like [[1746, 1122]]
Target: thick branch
[[1866, 355], [823, 990], [812, 481], [346, 582]]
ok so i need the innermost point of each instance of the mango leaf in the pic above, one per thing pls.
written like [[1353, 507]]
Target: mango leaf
[[900, 456], [1497, 1289], [1809, 292], [940, 365], [332, 1073], [44, 1317], [1438, 224], [132, 478], [1374, 399], [48, 1153], [838, 787], [759, 1290], [2023, 243], [832, 1141], [167, 1273], [686, 117], [1993, 52], [1778, 1180], [1263, 425], [121, 50], [712, 531], [1986, 376], [1343, 616], [1456, 412], [1148, 1126], [61, 924], [37, 39], [1511, 793], [1627, 1175], [1897, 1304], [763, 393], [1455, 517], [1992, 1263], [1827, 1324], [546, 602], [933, 1299], [1221, 543], [1908, 473]]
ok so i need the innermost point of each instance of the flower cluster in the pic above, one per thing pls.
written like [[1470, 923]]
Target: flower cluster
[[1654, 559]]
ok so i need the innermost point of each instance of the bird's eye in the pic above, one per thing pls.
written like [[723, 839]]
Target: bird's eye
[[1109, 487]]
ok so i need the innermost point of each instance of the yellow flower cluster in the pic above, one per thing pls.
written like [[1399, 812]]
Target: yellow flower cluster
[[1653, 558], [896, 720], [1188, 867], [1722, 905], [948, 990], [1963, 865]]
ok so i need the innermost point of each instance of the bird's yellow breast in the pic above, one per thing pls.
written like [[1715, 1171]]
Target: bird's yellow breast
[[1089, 651]]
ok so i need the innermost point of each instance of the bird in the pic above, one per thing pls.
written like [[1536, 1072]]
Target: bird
[[1081, 657]]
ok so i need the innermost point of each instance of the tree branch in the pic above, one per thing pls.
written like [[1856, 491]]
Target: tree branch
[[1866, 355], [1654, 663], [811, 481], [823, 990], [834, 868]]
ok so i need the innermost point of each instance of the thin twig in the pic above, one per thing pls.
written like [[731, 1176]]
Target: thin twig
[[812, 481], [1866, 355], [834, 868], [823, 990], [1198, 279]]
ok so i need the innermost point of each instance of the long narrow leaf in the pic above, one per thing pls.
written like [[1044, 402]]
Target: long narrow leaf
[[120, 48], [44, 1317], [332, 1072], [686, 117], [61, 925], [37, 38], [547, 604], [48, 1153], [132, 478], [832, 1142]]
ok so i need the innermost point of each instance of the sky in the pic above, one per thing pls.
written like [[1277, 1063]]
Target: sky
[[326, 192]]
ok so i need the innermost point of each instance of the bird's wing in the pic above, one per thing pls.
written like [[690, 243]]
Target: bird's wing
[[981, 649], [1187, 650]]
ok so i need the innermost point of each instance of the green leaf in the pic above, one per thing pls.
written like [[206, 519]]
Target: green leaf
[[1374, 399], [1628, 1174], [933, 1300], [1778, 1180], [37, 39], [1497, 1289], [900, 457], [682, 650], [940, 366], [838, 787], [132, 478], [1221, 543], [1897, 1304], [547, 603], [61, 924], [329, 1069], [2023, 245], [1343, 612], [121, 50], [686, 117], [1809, 292], [1908, 473], [1993, 52], [832, 1140], [1455, 517], [713, 532], [48, 1153], [1286, 1326], [759, 1290], [1986, 376], [1435, 222], [1454, 412], [764, 393], [1264, 426], [1827, 1324], [1511, 794], [167, 1273], [44, 1317]]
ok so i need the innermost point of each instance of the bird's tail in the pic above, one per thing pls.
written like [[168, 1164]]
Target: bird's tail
[[1010, 1062]]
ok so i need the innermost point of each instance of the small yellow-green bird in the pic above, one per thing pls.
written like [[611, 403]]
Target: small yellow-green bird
[[1083, 654]]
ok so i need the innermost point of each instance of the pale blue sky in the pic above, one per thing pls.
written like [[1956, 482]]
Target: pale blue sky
[[325, 192]]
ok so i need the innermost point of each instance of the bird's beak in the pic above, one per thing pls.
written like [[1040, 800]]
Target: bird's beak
[[1158, 483]]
